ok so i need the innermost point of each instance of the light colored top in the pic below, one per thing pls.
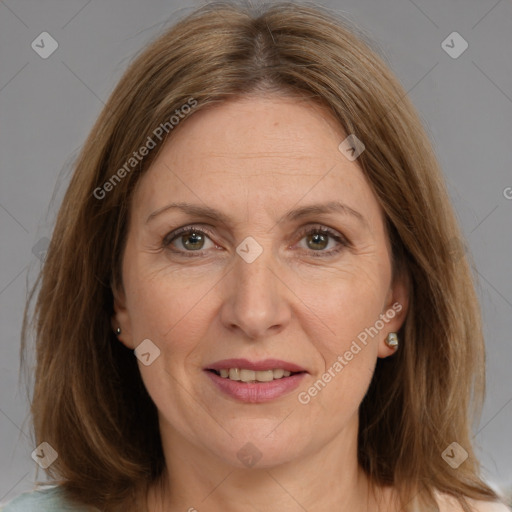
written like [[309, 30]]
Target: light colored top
[[450, 504], [48, 499], [51, 499]]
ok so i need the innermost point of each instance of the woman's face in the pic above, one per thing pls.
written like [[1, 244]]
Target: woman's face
[[259, 274]]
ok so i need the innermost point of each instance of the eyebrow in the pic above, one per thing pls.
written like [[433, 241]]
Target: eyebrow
[[292, 215]]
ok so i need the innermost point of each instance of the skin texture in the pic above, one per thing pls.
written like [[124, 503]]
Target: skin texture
[[254, 159]]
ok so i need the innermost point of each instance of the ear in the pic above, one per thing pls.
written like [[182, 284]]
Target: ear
[[121, 317], [394, 311]]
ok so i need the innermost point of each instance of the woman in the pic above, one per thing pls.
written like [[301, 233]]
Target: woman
[[258, 216]]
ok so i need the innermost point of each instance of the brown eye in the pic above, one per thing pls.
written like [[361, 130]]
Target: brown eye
[[317, 239], [187, 239], [193, 241]]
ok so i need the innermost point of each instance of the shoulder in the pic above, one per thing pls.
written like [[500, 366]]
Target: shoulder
[[489, 506], [50, 499], [449, 504]]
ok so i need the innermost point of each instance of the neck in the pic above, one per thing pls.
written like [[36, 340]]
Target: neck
[[329, 478]]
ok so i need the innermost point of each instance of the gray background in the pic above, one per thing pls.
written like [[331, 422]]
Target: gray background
[[47, 107]]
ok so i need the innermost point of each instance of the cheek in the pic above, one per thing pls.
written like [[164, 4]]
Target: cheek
[[345, 305], [174, 311], [160, 299], [174, 320], [348, 347]]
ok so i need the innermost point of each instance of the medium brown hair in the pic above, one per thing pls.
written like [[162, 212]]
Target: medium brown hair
[[89, 400]]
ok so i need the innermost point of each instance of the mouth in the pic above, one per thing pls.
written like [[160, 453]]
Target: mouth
[[255, 382], [252, 376]]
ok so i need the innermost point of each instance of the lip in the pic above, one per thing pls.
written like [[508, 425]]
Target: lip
[[267, 364], [256, 392]]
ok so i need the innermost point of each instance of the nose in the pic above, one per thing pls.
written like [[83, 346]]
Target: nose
[[257, 300]]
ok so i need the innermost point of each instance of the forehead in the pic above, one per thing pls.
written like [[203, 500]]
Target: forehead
[[257, 151], [266, 129]]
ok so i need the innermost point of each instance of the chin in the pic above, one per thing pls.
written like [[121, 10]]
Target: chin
[[259, 448]]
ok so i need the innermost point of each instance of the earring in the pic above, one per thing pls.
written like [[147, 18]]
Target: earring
[[392, 340], [118, 331]]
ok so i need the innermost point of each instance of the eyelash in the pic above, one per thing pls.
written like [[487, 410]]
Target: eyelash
[[321, 230]]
